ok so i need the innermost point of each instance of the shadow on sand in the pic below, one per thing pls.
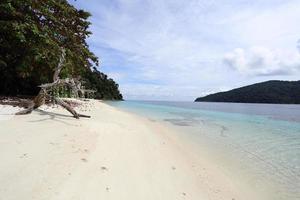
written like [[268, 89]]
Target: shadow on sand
[[54, 116]]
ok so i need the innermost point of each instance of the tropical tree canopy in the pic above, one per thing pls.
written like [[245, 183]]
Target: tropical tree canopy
[[32, 34]]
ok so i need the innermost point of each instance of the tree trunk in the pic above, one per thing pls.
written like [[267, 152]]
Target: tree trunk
[[40, 99], [36, 103]]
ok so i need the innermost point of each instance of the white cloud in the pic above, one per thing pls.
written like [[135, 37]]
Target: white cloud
[[263, 61], [162, 92], [176, 48], [274, 27]]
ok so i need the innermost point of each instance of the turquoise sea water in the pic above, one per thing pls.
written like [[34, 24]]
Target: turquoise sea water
[[256, 143]]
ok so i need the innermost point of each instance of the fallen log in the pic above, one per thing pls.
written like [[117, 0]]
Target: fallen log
[[69, 108], [40, 99]]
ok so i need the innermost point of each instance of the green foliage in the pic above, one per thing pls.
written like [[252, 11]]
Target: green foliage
[[105, 87], [31, 36], [287, 92]]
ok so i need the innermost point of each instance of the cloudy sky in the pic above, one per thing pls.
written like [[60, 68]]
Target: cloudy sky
[[179, 49]]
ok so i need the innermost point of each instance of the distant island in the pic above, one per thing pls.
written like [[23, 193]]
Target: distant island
[[277, 92]]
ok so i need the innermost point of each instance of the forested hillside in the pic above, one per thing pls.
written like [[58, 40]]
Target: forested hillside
[[32, 35], [285, 92]]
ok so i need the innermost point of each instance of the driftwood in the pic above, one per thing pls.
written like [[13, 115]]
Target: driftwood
[[43, 94]]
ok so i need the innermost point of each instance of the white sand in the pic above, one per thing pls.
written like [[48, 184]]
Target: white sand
[[7, 112], [114, 155]]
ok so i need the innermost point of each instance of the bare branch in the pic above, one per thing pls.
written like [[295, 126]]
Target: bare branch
[[39, 100], [66, 106], [60, 65], [26, 111], [69, 108]]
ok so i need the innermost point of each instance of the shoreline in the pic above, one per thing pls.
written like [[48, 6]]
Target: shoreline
[[114, 155]]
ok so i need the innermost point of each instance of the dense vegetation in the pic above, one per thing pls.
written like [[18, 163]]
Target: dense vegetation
[[32, 34], [105, 87], [285, 92]]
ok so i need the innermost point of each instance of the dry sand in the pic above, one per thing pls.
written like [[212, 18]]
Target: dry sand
[[114, 155]]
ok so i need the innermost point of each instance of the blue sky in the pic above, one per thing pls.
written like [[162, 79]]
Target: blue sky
[[180, 50]]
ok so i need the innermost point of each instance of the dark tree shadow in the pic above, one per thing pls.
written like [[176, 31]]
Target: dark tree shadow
[[53, 116], [43, 112]]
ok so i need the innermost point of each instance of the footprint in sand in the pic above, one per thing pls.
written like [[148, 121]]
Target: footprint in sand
[[84, 160], [103, 168], [24, 155]]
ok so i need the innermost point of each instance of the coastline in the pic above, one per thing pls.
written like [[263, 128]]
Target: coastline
[[114, 155]]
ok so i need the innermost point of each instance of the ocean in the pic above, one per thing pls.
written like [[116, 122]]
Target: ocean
[[256, 143]]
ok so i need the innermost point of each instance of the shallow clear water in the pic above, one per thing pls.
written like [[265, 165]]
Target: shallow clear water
[[257, 143]]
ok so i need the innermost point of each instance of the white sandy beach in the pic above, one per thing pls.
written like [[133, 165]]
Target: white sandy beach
[[113, 155]]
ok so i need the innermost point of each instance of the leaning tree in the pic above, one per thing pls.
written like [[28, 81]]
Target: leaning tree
[[43, 42], [46, 92]]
